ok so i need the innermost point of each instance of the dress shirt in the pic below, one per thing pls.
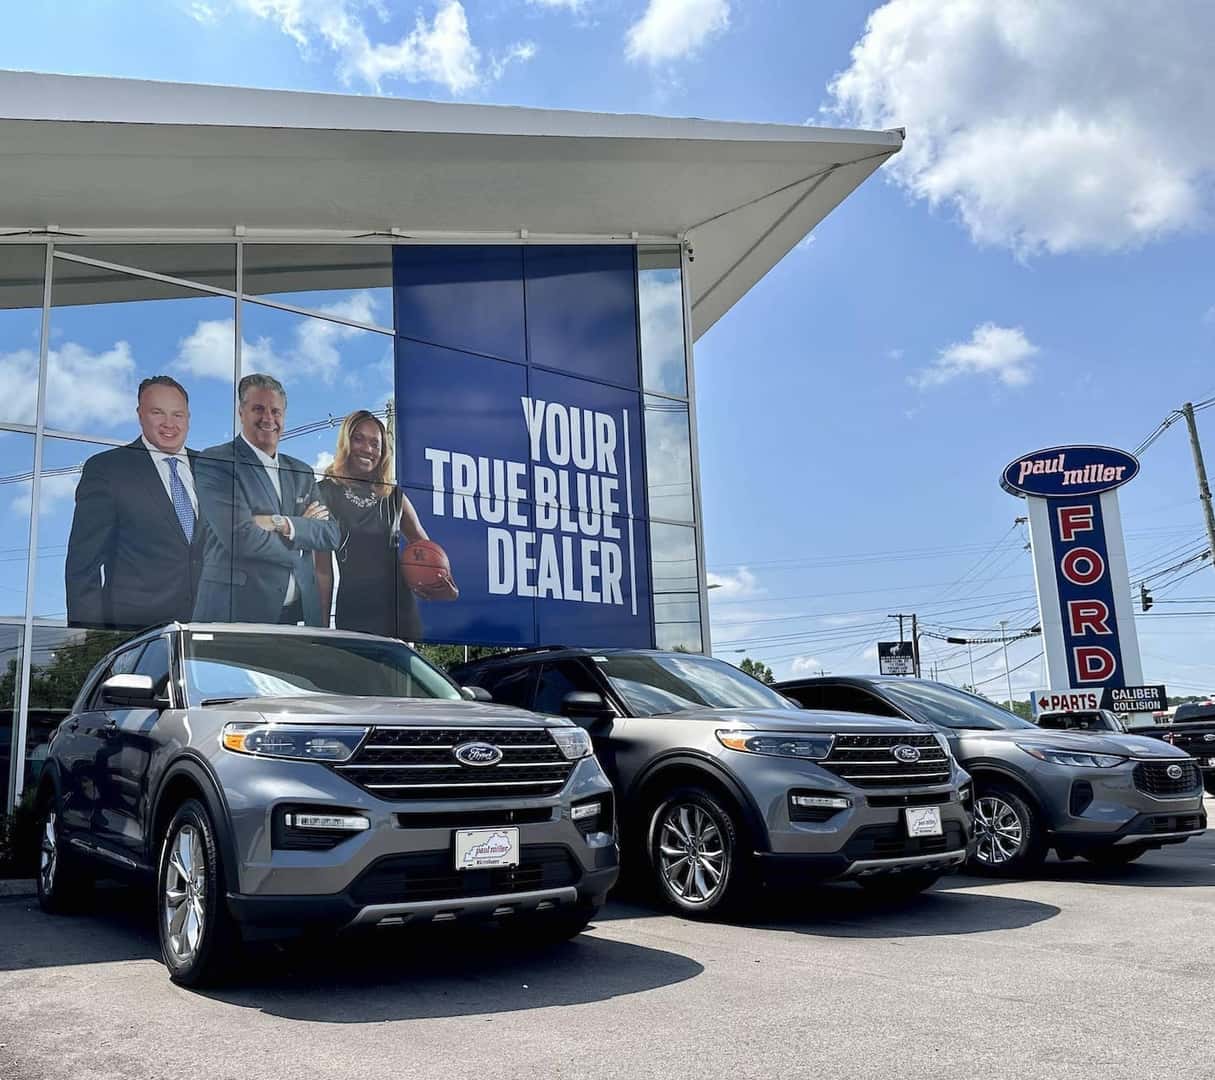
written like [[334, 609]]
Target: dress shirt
[[270, 464]]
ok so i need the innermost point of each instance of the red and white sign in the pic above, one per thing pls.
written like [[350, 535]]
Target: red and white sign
[[1066, 701]]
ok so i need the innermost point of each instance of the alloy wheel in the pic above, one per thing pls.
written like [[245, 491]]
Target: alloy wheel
[[1000, 830], [48, 854], [183, 904], [692, 854]]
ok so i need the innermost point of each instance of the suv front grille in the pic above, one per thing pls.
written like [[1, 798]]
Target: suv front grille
[[420, 763], [431, 875], [892, 842], [868, 761], [1153, 778]]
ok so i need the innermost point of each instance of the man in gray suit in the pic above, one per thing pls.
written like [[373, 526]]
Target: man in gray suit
[[266, 520]]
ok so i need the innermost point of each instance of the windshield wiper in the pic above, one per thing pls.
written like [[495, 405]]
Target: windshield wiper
[[223, 700]]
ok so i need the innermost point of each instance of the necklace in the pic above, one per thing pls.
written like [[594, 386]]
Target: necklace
[[361, 501]]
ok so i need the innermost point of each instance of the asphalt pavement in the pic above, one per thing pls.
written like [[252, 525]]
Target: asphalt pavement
[[1081, 973]]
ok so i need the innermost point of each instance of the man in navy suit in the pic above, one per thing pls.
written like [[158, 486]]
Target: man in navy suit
[[265, 520], [135, 549]]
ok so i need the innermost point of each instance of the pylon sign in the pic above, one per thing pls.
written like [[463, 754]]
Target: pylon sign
[[1080, 567]]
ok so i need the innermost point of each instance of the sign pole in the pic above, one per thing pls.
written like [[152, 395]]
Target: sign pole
[[1204, 489], [1007, 672]]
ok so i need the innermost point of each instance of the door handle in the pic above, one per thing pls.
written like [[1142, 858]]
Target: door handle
[[107, 729]]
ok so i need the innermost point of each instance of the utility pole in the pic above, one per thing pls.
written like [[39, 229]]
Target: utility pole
[[915, 646], [900, 618], [1007, 672], [1204, 489]]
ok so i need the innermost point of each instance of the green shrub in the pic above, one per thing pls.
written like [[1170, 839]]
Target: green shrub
[[19, 840]]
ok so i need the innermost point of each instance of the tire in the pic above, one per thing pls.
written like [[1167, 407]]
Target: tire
[[199, 938], [64, 879], [1012, 840], [1114, 856], [697, 864], [554, 927], [896, 888]]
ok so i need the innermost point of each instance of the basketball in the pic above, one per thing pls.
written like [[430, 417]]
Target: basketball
[[425, 567]]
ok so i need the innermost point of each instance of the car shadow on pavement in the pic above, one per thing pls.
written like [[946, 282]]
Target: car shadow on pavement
[[442, 971], [846, 911], [1152, 872]]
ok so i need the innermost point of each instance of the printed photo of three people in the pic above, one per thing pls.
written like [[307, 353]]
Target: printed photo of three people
[[242, 532]]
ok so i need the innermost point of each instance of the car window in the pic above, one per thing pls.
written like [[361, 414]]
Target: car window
[[1053, 723], [854, 699], [226, 666], [808, 697], [654, 684], [950, 707], [155, 663], [1193, 711], [122, 664], [557, 680], [510, 686]]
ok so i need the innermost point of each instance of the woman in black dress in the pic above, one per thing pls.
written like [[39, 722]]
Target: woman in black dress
[[373, 513]]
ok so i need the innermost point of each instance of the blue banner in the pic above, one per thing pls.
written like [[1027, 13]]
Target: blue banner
[[1086, 593], [520, 444]]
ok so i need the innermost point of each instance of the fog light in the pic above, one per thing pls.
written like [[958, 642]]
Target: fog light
[[585, 810], [346, 822], [820, 802]]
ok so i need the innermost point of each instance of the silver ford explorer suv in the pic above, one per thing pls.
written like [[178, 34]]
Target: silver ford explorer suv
[[271, 779], [723, 782], [1103, 795]]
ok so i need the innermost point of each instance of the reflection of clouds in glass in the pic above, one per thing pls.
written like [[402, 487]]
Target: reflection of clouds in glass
[[312, 351], [84, 389], [668, 459], [660, 307], [54, 491]]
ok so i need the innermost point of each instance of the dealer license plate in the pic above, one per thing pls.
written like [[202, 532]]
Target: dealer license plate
[[923, 820], [485, 849]]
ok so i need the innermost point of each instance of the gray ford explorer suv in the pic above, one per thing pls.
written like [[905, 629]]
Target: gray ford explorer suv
[[1103, 795], [722, 781], [270, 779]]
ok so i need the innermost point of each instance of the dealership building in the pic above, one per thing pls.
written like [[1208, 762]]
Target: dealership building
[[514, 293]]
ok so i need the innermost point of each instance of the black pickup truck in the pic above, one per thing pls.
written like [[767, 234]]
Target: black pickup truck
[[1192, 730]]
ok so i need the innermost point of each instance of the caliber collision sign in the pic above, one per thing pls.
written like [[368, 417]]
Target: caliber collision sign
[[1129, 699], [896, 658]]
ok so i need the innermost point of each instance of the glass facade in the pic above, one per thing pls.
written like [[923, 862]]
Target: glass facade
[[321, 320]]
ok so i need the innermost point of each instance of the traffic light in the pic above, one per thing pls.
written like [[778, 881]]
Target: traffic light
[[1145, 597]]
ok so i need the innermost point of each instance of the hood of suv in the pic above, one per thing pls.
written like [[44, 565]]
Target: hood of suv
[[389, 712], [1105, 742], [804, 720]]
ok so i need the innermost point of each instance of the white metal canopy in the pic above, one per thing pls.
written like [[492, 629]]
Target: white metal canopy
[[120, 157]]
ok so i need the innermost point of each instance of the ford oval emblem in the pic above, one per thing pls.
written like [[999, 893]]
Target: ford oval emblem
[[908, 755], [478, 754], [1208, 738], [1176, 772], [1062, 471]]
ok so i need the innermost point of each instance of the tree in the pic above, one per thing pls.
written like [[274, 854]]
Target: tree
[[757, 669], [446, 657]]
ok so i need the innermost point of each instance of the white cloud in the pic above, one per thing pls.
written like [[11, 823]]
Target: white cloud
[[54, 491], [323, 460], [313, 351], [1047, 125], [85, 390], [1002, 352], [674, 29], [805, 665], [203, 13], [806, 242], [438, 50], [568, 5], [737, 586]]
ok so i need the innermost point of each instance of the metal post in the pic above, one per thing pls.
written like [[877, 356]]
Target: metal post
[[970, 655], [915, 646], [1007, 670], [1204, 489]]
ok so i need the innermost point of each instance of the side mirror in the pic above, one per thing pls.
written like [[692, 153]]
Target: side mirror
[[133, 691], [476, 693], [586, 707]]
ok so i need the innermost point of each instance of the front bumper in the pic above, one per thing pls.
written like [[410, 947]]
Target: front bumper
[[1152, 829]]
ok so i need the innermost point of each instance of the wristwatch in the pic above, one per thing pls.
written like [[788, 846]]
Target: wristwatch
[[280, 522]]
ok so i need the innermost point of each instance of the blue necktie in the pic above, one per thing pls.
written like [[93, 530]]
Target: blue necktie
[[181, 501]]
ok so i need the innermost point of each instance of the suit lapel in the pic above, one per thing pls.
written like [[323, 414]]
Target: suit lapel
[[245, 452]]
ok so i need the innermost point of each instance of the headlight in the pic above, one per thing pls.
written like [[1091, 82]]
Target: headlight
[[778, 744], [305, 742], [1075, 758], [573, 742]]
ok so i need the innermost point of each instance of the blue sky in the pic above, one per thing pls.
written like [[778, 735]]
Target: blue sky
[[1033, 269]]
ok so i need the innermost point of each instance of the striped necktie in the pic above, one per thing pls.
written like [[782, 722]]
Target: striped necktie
[[181, 501]]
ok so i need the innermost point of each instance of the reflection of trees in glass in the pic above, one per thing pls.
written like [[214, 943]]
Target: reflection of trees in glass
[[55, 684], [757, 669]]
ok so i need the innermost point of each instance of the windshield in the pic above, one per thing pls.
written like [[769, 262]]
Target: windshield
[[653, 685], [227, 666], [952, 708]]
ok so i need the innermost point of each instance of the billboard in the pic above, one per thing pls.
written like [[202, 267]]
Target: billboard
[[896, 658], [1080, 567]]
